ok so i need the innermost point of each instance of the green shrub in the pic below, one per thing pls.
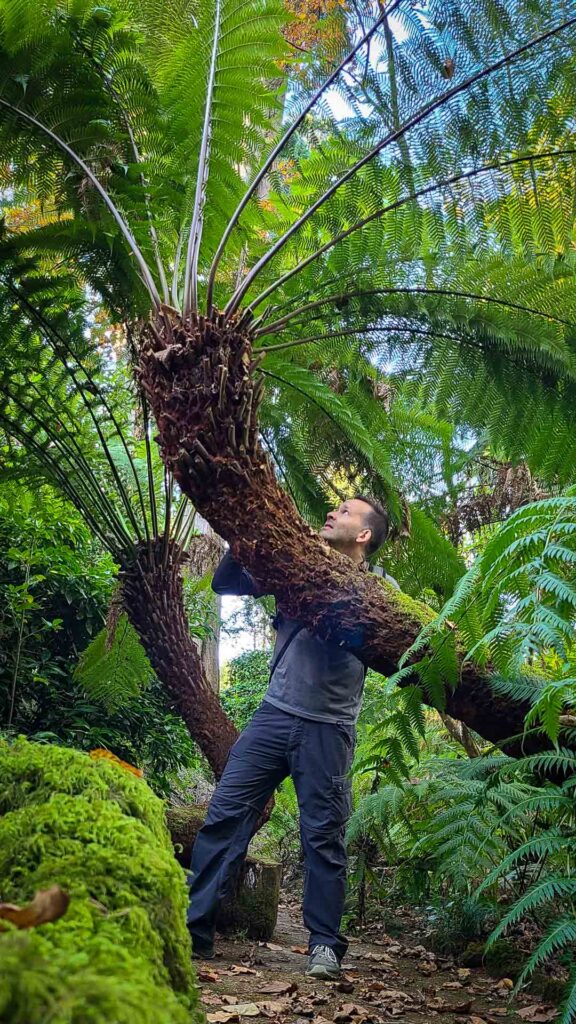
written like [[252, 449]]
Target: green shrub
[[247, 684], [121, 952]]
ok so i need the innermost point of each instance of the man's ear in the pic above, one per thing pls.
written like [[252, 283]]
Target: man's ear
[[364, 536]]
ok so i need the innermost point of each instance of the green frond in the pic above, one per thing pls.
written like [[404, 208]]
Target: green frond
[[114, 670]]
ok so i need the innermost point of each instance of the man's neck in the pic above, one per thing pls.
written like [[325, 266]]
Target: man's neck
[[356, 554]]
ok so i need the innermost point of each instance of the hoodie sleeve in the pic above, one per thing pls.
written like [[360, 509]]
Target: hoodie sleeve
[[231, 578]]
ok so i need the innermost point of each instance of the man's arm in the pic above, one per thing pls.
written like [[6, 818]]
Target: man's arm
[[231, 578]]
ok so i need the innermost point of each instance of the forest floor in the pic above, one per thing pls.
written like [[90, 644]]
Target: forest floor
[[384, 979]]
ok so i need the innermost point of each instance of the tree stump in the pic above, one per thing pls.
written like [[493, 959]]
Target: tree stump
[[252, 906]]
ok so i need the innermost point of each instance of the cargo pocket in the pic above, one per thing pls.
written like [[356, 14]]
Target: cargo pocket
[[341, 799]]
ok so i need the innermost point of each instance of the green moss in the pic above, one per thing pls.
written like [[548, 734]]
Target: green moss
[[184, 823], [504, 960], [416, 610], [253, 906], [121, 953]]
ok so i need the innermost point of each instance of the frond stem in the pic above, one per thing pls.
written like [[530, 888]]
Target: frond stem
[[280, 324], [195, 237], [280, 146], [392, 137], [446, 183], [51, 332], [137, 160], [125, 230]]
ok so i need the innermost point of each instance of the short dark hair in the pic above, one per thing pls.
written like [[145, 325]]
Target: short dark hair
[[376, 520]]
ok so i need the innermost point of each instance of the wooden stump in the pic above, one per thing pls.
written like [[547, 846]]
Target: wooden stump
[[253, 904]]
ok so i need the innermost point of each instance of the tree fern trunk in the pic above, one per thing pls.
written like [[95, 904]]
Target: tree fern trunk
[[153, 598], [202, 382]]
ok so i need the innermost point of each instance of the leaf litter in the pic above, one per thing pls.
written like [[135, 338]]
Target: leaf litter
[[389, 981]]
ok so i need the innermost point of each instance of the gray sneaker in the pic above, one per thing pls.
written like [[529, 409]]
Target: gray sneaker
[[323, 963]]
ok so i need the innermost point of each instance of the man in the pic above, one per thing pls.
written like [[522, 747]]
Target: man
[[305, 728]]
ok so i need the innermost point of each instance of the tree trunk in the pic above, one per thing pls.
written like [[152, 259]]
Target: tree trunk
[[205, 554], [461, 733], [202, 381], [153, 598]]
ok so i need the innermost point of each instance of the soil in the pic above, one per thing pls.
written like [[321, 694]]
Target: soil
[[384, 979]]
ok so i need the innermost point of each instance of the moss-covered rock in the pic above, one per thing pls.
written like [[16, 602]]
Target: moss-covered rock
[[121, 953], [184, 823]]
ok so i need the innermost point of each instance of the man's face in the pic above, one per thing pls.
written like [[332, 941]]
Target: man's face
[[345, 526]]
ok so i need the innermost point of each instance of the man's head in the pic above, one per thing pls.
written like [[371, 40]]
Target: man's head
[[357, 527]]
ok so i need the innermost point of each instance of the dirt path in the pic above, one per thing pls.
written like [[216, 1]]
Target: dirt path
[[385, 979]]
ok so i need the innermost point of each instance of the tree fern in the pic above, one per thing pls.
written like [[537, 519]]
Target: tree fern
[[114, 670]]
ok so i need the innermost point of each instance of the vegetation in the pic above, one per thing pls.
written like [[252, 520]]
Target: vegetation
[[121, 951]]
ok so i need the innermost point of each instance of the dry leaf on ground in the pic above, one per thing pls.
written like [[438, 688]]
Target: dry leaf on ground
[[240, 969], [300, 949], [441, 1006], [271, 1008], [272, 945], [208, 976], [344, 985], [236, 1011], [47, 905], [538, 1013], [391, 993], [278, 988]]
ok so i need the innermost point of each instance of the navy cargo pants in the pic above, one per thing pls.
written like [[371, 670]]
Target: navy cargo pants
[[274, 745]]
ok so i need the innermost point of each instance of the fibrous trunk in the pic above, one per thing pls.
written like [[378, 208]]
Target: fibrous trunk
[[203, 384], [153, 598]]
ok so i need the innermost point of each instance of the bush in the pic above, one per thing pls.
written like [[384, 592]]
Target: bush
[[121, 952], [247, 684]]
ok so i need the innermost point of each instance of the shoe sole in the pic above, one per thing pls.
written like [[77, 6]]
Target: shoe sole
[[323, 972], [203, 956]]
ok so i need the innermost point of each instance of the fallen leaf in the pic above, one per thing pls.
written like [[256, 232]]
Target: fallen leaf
[[349, 1011], [210, 1000], [300, 949], [476, 1020], [272, 945], [47, 905], [279, 988], [240, 969], [452, 984], [441, 1006], [506, 983], [272, 1008], [221, 1017], [463, 972], [303, 1009], [379, 958], [344, 986], [230, 1000], [390, 993], [538, 1012], [247, 1010], [207, 976], [428, 968]]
